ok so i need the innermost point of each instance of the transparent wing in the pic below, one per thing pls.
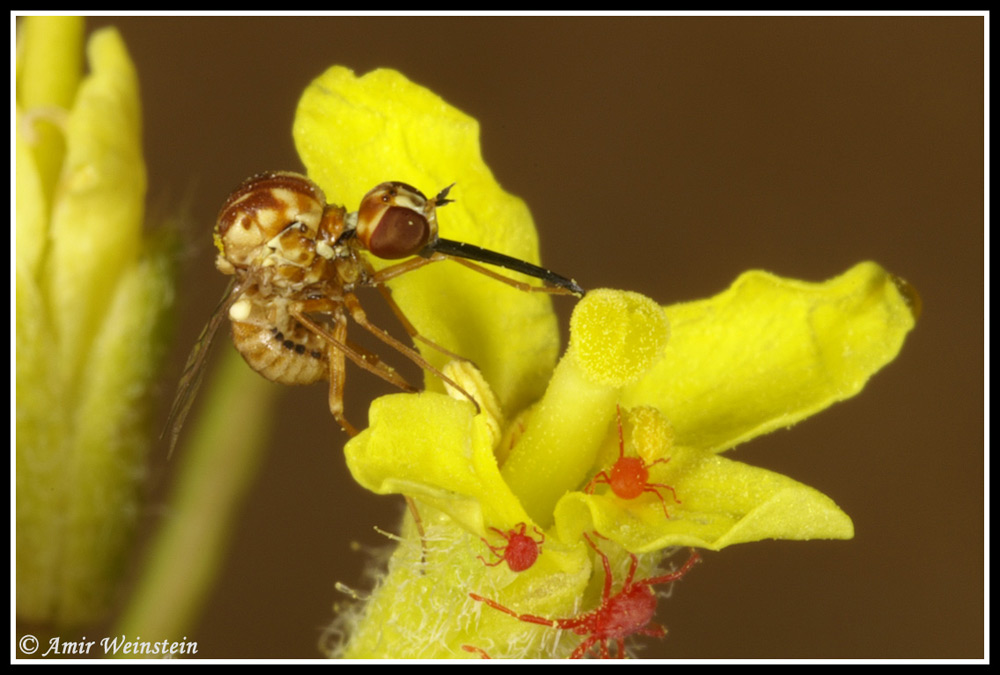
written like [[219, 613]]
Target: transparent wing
[[194, 369]]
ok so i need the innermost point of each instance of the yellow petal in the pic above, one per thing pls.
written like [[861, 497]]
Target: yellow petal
[[31, 211], [49, 68], [98, 214], [722, 503], [769, 352], [49, 60], [435, 448], [356, 132]]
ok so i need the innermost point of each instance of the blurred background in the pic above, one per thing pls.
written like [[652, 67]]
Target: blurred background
[[664, 155]]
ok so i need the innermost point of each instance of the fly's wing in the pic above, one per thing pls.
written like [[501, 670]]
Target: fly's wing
[[194, 369]]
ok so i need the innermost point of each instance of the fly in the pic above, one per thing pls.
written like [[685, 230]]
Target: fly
[[296, 262]]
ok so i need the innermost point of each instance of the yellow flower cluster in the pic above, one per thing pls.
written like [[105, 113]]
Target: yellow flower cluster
[[691, 380]]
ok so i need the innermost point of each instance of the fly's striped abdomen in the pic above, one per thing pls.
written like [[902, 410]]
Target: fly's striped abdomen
[[275, 344]]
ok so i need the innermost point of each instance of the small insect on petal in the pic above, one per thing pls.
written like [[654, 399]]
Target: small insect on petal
[[521, 550], [629, 611], [629, 476]]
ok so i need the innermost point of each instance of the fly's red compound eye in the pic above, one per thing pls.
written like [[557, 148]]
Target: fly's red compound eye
[[396, 220], [260, 209]]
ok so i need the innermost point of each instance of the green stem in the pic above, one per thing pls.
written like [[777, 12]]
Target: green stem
[[219, 465]]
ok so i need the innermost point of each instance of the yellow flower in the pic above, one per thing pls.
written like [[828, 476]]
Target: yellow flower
[[691, 381], [91, 302]]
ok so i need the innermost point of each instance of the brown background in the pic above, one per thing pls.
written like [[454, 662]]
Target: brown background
[[664, 155]]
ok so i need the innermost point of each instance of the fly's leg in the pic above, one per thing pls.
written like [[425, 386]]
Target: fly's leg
[[393, 271], [359, 316], [401, 268], [360, 357], [338, 376], [520, 285], [339, 349], [411, 504], [409, 327], [385, 274]]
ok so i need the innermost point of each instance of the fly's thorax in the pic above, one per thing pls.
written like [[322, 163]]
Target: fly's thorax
[[272, 219]]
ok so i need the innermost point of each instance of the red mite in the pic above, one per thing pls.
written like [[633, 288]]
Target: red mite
[[628, 612], [521, 550], [629, 476], [296, 263]]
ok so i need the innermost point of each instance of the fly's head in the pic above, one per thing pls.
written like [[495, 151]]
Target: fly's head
[[396, 220]]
